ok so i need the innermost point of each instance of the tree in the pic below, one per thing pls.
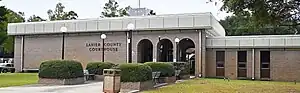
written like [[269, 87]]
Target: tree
[[111, 9], [266, 12], [60, 14], [241, 25], [35, 18], [8, 16], [152, 12]]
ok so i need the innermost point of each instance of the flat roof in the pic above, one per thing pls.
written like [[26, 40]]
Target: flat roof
[[257, 41], [141, 23]]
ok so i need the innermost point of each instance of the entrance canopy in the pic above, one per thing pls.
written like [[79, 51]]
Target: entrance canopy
[[141, 23]]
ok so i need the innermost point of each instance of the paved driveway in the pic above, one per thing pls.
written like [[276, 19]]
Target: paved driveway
[[84, 88]]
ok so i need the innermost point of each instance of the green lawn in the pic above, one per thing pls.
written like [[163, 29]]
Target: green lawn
[[17, 79], [233, 86]]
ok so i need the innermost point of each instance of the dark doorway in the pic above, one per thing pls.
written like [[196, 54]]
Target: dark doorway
[[165, 51], [186, 53], [265, 64], [145, 51], [220, 63], [186, 48], [242, 64]]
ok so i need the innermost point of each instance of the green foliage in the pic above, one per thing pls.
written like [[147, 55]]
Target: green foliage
[[135, 72], [35, 18], [60, 69], [17, 79], [8, 16], [97, 67], [266, 12], [183, 66], [166, 69], [111, 9], [239, 25], [152, 12], [60, 14]]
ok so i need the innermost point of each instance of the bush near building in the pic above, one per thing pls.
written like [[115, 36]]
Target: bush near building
[[135, 72], [183, 66], [97, 67], [60, 69], [166, 69]]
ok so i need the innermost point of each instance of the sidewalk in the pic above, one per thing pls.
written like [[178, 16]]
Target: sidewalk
[[95, 87]]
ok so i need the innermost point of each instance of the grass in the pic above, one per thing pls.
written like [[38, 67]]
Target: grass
[[17, 79], [232, 86]]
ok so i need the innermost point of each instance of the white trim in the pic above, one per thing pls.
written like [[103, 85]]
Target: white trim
[[198, 21]]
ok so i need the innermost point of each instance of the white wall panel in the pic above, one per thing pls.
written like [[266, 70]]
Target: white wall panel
[[91, 25], [39, 28], [156, 22], [201, 20], [48, 27], [12, 29], [71, 26], [277, 42], [58, 26], [261, 42], [29, 28], [128, 21], [218, 42], [103, 25], [81, 26], [296, 41], [186, 21], [232, 42], [116, 24], [246, 42], [142, 23], [170, 22]]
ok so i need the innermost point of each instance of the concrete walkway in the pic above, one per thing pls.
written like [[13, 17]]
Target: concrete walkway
[[95, 87]]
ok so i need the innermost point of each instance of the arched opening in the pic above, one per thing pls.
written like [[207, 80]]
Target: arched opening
[[165, 50], [187, 53], [145, 51]]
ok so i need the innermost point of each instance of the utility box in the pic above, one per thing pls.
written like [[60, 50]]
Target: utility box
[[112, 81]]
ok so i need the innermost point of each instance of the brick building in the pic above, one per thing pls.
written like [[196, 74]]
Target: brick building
[[160, 38]]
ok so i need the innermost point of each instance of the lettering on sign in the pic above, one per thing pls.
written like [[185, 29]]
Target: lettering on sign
[[94, 47]]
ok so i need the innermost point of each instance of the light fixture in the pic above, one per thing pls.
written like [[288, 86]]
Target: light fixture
[[130, 26], [128, 40], [63, 29], [176, 40], [103, 36]]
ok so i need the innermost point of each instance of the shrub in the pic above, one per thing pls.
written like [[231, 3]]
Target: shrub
[[97, 67], [60, 69], [183, 66], [135, 72], [166, 69]]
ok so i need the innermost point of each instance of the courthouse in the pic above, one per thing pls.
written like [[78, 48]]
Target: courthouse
[[197, 38]]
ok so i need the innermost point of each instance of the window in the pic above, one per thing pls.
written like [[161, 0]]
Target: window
[[265, 64], [220, 63], [242, 56], [242, 63]]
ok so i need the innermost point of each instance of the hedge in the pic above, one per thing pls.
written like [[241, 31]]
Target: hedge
[[183, 66], [60, 69], [135, 72], [97, 67], [166, 69]]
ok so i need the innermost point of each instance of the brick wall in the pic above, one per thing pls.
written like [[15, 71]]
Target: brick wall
[[39, 48], [284, 65]]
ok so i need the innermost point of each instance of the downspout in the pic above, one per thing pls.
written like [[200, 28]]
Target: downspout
[[22, 53], [253, 63]]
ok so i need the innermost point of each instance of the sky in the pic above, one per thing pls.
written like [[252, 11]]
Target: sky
[[93, 8]]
